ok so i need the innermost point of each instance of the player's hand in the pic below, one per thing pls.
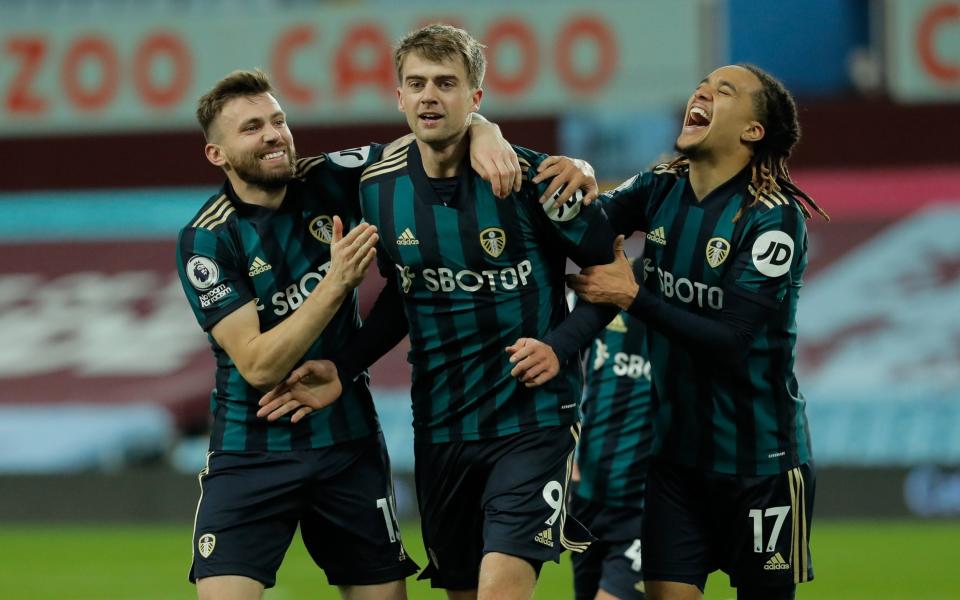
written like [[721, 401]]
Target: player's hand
[[535, 362], [351, 255], [571, 174], [494, 159], [310, 387], [607, 284]]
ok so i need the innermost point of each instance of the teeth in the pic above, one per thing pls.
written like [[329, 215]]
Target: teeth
[[696, 110], [276, 154]]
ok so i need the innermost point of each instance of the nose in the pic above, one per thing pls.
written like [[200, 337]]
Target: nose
[[702, 93], [271, 132], [429, 93]]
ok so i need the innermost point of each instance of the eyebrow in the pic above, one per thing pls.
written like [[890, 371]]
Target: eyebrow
[[723, 82], [252, 120], [441, 77]]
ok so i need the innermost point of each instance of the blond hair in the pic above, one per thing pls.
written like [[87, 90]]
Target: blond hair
[[438, 42]]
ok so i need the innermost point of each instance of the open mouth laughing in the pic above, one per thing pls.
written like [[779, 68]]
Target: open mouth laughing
[[697, 119]]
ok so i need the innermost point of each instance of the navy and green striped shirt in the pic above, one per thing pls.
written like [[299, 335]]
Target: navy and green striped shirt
[[617, 435], [745, 418], [232, 253], [475, 274]]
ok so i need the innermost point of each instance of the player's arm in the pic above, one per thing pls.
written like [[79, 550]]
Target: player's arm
[[564, 177], [383, 329], [752, 291], [317, 383], [265, 357], [311, 386], [585, 235], [492, 157], [727, 338]]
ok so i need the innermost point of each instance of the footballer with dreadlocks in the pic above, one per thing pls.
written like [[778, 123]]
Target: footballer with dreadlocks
[[732, 483]]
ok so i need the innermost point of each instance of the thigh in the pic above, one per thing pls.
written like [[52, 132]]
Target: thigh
[[349, 525], [450, 482], [246, 516], [524, 500], [587, 565], [675, 537], [766, 533], [619, 529]]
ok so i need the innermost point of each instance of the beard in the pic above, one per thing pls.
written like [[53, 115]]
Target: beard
[[248, 168], [694, 151]]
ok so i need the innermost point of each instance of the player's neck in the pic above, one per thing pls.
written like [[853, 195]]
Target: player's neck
[[443, 160], [709, 173], [255, 194]]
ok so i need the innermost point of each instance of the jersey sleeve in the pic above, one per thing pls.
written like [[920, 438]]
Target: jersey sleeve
[[352, 161], [583, 231], [772, 257], [626, 205], [212, 275]]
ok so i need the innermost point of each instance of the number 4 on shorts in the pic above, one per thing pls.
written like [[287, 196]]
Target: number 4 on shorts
[[633, 553]]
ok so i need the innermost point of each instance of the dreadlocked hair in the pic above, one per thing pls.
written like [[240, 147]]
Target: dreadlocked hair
[[776, 110]]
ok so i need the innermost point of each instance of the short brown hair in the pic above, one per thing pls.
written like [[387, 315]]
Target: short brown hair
[[438, 42], [238, 84]]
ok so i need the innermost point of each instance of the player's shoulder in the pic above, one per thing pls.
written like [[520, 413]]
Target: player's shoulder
[[668, 170], [215, 215], [392, 164], [663, 175], [529, 161], [309, 166], [651, 184], [773, 203]]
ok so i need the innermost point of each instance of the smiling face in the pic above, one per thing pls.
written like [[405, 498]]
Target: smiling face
[[436, 98], [250, 138], [720, 116]]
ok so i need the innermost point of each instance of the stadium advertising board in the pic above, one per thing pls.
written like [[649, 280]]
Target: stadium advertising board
[[333, 63], [96, 322], [923, 49], [90, 298]]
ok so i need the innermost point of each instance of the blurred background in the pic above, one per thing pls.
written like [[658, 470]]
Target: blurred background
[[105, 375]]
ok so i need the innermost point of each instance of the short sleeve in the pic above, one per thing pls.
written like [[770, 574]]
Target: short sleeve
[[350, 162], [212, 276], [626, 205], [582, 230], [772, 257]]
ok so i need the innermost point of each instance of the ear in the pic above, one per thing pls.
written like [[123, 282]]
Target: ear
[[477, 96], [215, 154], [399, 100], [753, 132]]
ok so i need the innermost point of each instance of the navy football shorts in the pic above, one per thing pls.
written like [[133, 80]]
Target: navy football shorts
[[505, 495], [341, 497], [755, 529], [613, 562]]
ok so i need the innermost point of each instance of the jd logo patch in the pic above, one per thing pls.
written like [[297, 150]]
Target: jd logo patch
[[772, 253]]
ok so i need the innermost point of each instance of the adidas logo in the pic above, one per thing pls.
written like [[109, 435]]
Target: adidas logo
[[658, 236], [545, 537], [258, 266], [407, 238], [776, 563]]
